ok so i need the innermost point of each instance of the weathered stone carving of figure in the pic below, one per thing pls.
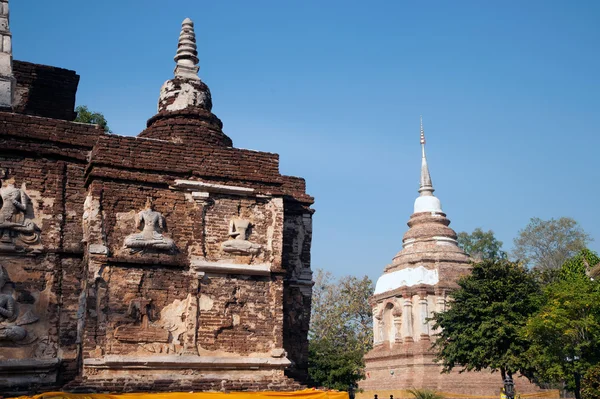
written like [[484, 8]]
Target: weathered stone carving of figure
[[238, 243], [381, 326], [10, 325], [152, 224], [13, 221]]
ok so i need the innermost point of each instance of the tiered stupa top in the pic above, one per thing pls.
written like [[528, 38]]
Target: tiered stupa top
[[430, 254], [185, 103]]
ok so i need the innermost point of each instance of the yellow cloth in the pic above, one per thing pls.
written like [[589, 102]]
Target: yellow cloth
[[305, 394]]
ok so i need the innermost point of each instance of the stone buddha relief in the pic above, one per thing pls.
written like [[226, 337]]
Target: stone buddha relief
[[11, 319], [152, 237], [16, 212], [238, 243], [141, 312]]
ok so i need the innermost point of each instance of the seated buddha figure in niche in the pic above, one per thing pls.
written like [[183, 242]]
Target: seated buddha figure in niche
[[152, 224], [238, 243], [15, 226]]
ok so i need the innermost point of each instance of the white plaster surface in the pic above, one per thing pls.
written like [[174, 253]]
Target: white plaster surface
[[224, 267], [199, 186], [428, 203], [406, 278]]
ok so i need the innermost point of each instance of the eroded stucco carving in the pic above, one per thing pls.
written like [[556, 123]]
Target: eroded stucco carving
[[16, 212], [11, 321], [238, 243], [152, 237], [140, 310]]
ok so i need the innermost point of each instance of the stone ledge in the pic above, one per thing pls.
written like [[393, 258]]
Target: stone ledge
[[185, 362], [31, 365], [16, 375], [212, 188], [260, 269]]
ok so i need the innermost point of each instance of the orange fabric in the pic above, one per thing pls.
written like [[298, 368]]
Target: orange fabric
[[305, 394]]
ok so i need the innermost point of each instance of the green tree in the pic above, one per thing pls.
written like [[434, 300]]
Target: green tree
[[341, 330], [84, 115], [565, 333], [590, 386], [482, 328], [547, 244], [481, 245]]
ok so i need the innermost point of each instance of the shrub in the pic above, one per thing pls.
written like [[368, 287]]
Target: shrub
[[425, 394]]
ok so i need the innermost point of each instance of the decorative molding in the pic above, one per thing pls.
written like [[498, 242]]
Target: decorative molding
[[198, 187], [18, 372], [201, 265], [186, 362]]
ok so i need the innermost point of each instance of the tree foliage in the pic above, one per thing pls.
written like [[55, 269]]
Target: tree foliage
[[547, 244], [576, 267], [482, 328], [84, 115], [481, 245], [565, 333], [341, 330], [590, 386]]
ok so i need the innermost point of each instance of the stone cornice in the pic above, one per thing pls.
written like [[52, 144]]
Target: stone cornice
[[186, 362]]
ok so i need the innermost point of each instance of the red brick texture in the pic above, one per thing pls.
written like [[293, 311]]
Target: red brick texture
[[101, 305]]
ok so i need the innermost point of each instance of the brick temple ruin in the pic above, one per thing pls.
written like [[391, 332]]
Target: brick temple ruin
[[168, 261], [418, 282]]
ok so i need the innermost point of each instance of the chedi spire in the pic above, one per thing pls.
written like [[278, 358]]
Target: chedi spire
[[426, 187], [187, 52], [185, 91], [426, 202]]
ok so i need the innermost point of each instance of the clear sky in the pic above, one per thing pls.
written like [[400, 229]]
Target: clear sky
[[509, 92]]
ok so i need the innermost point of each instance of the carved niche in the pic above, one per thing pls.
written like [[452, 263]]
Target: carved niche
[[17, 230], [152, 225], [12, 319], [140, 310], [238, 243]]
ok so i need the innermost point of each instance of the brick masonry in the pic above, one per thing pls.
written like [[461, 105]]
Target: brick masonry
[[418, 283], [101, 316]]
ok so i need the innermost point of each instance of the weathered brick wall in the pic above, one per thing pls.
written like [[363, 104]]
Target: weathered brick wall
[[43, 90], [240, 315], [136, 154], [194, 126], [199, 306], [45, 277]]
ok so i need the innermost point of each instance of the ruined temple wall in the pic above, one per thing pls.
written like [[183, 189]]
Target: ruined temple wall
[[45, 90], [198, 306], [46, 158], [198, 229], [240, 315], [208, 308]]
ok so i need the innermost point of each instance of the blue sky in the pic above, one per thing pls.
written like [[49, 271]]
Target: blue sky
[[509, 92]]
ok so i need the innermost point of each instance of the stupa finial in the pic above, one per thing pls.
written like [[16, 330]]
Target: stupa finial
[[187, 52], [426, 187]]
